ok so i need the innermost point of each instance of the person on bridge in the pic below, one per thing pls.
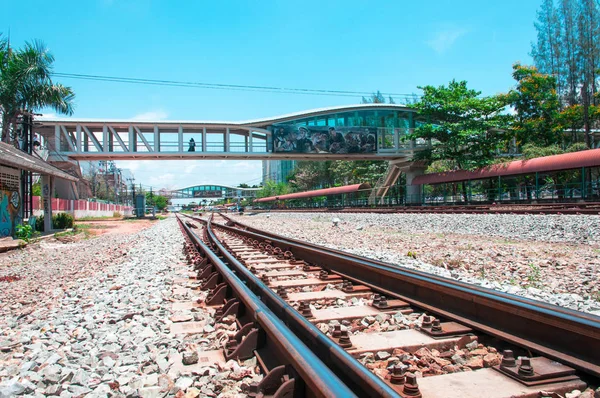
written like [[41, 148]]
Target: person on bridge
[[192, 147]]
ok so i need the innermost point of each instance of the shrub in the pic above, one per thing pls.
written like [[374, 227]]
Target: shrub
[[116, 214], [62, 221], [39, 224], [59, 221], [24, 232]]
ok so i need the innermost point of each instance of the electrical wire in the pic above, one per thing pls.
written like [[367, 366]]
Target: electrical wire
[[221, 86]]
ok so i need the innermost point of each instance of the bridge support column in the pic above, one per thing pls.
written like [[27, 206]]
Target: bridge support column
[[413, 192], [47, 192]]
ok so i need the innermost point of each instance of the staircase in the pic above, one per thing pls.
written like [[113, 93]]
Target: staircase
[[383, 184]]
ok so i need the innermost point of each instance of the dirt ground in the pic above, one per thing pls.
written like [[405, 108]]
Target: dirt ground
[[116, 226]]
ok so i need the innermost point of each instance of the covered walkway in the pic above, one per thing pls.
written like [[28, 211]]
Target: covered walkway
[[566, 176], [13, 164], [328, 196]]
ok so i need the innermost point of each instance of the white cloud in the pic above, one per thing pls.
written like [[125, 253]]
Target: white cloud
[[443, 40], [174, 174], [154, 115]]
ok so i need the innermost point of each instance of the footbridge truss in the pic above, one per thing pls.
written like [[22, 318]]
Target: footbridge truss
[[127, 140]]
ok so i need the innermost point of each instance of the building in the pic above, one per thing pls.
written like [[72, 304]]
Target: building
[[277, 170]]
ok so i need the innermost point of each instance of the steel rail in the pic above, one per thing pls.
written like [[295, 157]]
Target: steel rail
[[317, 376], [568, 336], [349, 370]]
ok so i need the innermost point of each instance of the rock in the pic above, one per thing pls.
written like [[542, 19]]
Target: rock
[[151, 380], [51, 374], [573, 394], [458, 359], [108, 362], [491, 359], [150, 392], [475, 363], [78, 390], [381, 355], [192, 393], [13, 388], [80, 377], [53, 359], [165, 383], [184, 382], [53, 389], [472, 345], [147, 333], [190, 358]]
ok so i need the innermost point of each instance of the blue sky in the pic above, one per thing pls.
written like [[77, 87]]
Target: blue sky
[[391, 46]]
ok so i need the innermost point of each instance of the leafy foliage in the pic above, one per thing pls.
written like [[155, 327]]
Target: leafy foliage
[[161, 202], [24, 232], [59, 221], [468, 128], [26, 84], [272, 188], [536, 103]]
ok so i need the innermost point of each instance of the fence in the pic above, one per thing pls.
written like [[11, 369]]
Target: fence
[[81, 208]]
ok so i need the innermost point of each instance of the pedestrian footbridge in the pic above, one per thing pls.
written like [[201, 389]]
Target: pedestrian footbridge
[[367, 131]]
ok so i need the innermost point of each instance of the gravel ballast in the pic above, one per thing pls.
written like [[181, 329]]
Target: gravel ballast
[[551, 258], [94, 319]]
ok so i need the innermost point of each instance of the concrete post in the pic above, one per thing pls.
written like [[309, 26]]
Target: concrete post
[[47, 190], [413, 192]]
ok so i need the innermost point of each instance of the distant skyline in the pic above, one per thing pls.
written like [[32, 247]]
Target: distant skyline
[[335, 45]]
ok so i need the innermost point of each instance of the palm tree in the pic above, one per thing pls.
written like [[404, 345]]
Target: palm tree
[[26, 84]]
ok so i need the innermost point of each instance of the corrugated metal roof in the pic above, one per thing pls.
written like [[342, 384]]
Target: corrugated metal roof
[[318, 192], [566, 161], [11, 156], [245, 123]]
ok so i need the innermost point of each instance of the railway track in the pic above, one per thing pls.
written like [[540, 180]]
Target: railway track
[[386, 331], [590, 208]]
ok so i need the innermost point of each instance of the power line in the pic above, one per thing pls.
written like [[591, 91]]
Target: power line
[[220, 86]]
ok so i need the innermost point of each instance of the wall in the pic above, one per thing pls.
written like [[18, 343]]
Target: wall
[[81, 208], [10, 209]]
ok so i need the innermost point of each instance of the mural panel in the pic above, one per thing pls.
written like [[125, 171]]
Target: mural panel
[[10, 204], [317, 139]]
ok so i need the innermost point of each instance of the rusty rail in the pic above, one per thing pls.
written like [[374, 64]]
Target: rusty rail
[[569, 336], [590, 208], [321, 381], [358, 378]]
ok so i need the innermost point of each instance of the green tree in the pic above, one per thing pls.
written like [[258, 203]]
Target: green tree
[[375, 98], [26, 85], [468, 128], [547, 51], [311, 175], [272, 188], [358, 171], [537, 107], [161, 202], [243, 186]]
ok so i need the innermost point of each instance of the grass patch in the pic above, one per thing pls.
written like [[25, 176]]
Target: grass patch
[[535, 276], [159, 217], [89, 218]]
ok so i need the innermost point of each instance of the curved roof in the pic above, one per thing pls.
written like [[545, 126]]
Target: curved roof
[[565, 161], [215, 185], [246, 123], [318, 192]]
